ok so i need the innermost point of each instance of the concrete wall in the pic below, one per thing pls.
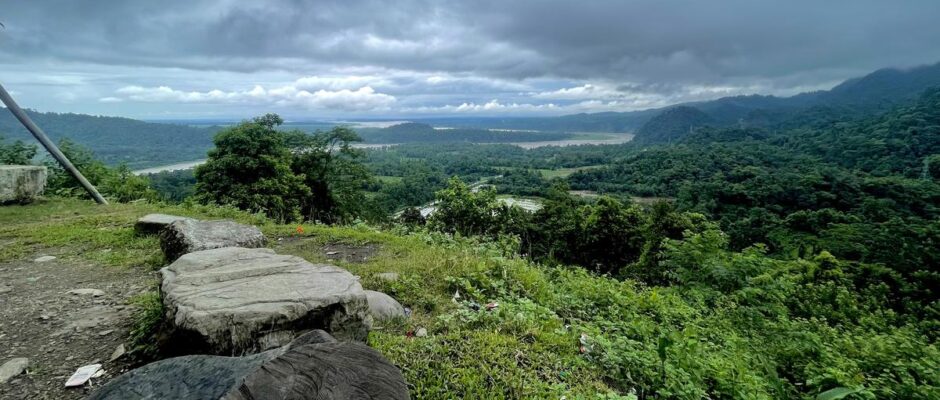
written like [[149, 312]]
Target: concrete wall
[[21, 183]]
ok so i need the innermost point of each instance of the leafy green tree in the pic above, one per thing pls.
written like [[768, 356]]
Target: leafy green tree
[[118, 184], [332, 170], [412, 216], [250, 168], [932, 165], [16, 153], [461, 210], [613, 235]]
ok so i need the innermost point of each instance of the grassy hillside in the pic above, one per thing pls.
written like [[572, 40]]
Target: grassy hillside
[[556, 331]]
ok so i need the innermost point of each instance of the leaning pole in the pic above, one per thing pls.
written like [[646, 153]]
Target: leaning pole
[[51, 147]]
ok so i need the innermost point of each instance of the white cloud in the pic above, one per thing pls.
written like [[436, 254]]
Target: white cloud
[[583, 92], [110, 99], [362, 99], [491, 107], [340, 82]]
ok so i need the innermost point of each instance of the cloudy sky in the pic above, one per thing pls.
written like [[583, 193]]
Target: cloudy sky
[[355, 59]]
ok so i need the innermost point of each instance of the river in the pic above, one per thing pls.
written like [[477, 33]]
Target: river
[[613, 138]]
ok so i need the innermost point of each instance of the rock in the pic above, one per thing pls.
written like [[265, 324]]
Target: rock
[[117, 353], [87, 292], [21, 183], [187, 236], [384, 307], [44, 259], [105, 332], [421, 332], [235, 300], [12, 368], [151, 224], [314, 366], [387, 276], [5, 288]]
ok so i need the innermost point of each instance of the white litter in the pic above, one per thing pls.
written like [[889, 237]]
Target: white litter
[[82, 375]]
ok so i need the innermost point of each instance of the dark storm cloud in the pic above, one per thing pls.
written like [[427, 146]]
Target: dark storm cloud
[[642, 49]]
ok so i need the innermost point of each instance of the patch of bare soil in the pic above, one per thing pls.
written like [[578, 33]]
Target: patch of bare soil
[[350, 253], [60, 331]]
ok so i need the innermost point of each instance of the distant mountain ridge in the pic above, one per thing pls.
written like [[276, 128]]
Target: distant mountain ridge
[[115, 139], [143, 144], [672, 124], [874, 93]]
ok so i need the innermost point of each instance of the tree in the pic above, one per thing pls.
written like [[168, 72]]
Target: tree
[[932, 167], [286, 175], [16, 153], [333, 172], [613, 235], [412, 216], [250, 168], [118, 184], [461, 210]]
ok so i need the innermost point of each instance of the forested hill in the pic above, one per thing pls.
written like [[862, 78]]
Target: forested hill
[[876, 92], [672, 124], [115, 140], [866, 190]]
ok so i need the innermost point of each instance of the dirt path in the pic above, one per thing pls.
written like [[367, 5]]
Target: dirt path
[[59, 331]]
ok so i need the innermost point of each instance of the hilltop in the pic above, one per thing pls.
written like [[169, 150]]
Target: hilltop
[[545, 332]]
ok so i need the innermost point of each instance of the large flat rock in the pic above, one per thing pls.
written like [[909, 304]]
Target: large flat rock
[[315, 366], [235, 300], [152, 224], [21, 183], [189, 235]]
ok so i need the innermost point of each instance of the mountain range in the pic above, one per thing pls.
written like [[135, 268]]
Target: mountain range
[[141, 144]]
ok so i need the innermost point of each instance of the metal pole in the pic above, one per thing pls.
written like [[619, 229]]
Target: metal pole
[[51, 147]]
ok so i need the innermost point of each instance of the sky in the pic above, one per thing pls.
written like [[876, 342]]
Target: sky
[[228, 59]]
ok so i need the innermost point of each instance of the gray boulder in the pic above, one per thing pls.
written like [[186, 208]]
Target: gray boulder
[[315, 366], [152, 224], [21, 183], [12, 368], [188, 235], [235, 300], [384, 307]]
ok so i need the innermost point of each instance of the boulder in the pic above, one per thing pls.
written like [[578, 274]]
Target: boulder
[[12, 368], [87, 292], [235, 300], [188, 235], [314, 366], [152, 224], [21, 183], [384, 307]]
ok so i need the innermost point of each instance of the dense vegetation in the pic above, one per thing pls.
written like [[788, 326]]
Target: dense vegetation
[[287, 175], [672, 124], [16, 153], [117, 140]]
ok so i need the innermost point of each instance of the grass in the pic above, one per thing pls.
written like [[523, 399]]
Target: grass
[[556, 332], [82, 230], [456, 360]]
